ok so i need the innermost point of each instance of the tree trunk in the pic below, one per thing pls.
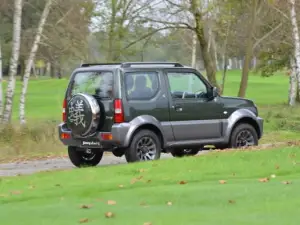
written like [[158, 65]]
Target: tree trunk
[[293, 83], [209, 63], [296, 38], [111, 33], [248, 53], [1, 91], [31, 58], [13, 61], [225, 58]]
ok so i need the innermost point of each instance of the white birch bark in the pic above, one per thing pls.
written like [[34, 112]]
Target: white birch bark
[[293, 82], [194, 50], [31, 58], [296, 38], [1, 91], [13, 61]]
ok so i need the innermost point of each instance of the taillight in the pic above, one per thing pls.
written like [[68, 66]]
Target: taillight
[[64, 116], [119, 114]]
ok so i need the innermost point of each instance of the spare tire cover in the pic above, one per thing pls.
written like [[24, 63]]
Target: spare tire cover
[[83, 114]]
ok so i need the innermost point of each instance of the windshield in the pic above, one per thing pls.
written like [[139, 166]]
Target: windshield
[[98, 83]]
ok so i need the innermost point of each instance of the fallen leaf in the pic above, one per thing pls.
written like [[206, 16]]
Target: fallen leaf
[[293, 155], [16, 192], [86, 206], [222, 181], [85, 220], [263, 180], [182, 182], [109, 215], [134, 180], [273, 176], [231, 201], [147, 223], [286, 182], [121, 186], [142, 170], [169, 203], [277, 167], [111, 202]]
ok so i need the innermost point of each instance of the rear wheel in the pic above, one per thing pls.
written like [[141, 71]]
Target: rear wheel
[[180, 152], [145, 146], [84, 157]]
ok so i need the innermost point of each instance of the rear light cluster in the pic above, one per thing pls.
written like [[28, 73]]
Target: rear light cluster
[[118, 113], [64, 116]]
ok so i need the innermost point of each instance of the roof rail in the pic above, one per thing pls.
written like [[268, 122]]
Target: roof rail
[[129, 64], [98, 64]]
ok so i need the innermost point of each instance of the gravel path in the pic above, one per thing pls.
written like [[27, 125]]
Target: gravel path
[[30, 167]]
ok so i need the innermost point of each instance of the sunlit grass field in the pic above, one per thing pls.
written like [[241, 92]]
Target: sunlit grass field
[[236, 187]]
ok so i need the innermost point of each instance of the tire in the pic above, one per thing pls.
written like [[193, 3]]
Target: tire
[[180, 152], [80, 158], [134, 151], [243, 135]]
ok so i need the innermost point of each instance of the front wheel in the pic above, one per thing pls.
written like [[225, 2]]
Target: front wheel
[[84, 157], [145, 146], [243, 135]]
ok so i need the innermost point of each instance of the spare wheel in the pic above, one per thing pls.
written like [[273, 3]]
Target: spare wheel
[[84, 115]]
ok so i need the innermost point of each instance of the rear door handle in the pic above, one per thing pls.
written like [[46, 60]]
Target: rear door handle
[[178, 108]]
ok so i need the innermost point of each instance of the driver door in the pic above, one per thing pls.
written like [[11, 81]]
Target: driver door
[[194, 114]]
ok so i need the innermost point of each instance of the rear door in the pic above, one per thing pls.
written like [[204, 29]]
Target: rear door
[[98, 83], [194, 114], [146, 93]]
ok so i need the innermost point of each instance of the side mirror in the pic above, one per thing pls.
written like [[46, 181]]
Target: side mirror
[[215, 92]]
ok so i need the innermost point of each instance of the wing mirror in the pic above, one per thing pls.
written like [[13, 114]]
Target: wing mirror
[[215, 92]]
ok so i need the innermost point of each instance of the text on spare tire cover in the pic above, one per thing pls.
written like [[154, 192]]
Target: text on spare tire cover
[[76, 113]]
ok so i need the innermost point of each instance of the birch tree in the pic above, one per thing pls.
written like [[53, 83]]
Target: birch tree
[[31, 58], [18, 4], [296, 40], [1, 91]]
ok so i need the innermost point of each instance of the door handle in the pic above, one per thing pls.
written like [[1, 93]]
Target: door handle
[[178, 108]]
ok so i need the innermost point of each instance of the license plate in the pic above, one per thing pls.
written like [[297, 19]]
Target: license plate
[[91, 143]]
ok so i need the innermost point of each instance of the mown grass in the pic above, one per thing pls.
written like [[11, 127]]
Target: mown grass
[[141, 192], [44, 106]]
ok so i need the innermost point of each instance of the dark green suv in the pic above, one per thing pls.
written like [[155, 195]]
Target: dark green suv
[[143, 109]]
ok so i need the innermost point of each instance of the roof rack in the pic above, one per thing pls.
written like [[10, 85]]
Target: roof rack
[[98, 64], [129, 64]]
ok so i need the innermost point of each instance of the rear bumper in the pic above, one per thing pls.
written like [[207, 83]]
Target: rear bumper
[[119, 138]]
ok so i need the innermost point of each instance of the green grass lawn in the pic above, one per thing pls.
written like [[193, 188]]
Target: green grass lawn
[[141, 192]]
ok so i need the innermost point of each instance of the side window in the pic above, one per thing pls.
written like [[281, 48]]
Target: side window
[[141, 85], [186, 86]]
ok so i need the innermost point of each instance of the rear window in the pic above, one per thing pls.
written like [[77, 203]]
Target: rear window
[[94, 83]]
